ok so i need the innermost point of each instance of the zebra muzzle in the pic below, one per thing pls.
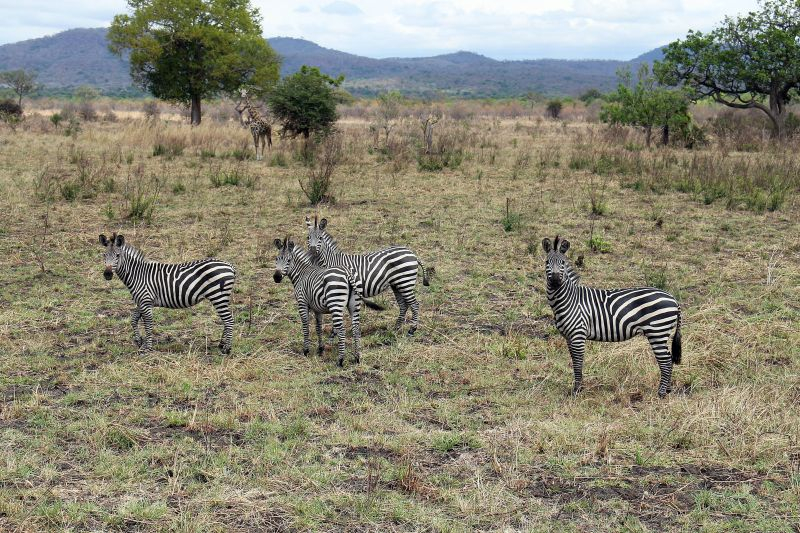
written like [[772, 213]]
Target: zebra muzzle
[[108, 273], [277, 276]]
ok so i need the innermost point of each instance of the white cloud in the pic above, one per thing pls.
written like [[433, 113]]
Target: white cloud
[[340, 7], [513, 29]]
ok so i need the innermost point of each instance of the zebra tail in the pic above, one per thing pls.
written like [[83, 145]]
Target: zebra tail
[[676, 343], [373, 305], [426, 272]]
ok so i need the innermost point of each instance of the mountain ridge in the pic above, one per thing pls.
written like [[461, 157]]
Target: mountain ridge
[[80, 56]]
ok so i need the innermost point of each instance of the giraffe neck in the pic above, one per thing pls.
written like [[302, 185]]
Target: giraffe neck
[[254, 115]]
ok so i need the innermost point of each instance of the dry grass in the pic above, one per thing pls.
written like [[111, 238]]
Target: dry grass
[[469, 425]]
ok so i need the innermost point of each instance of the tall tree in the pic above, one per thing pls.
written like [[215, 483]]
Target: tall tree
[[21, 82], [646, 104], [751, 61], [186, 50], [305, 102]]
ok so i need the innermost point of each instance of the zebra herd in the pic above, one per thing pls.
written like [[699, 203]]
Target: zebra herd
[[327, 280]]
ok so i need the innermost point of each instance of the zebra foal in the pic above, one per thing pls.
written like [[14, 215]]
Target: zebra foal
[[394, 267], [322, 290], [611, 315], [175, 286]]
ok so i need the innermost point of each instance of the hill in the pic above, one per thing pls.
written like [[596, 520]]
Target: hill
[[81, 57]]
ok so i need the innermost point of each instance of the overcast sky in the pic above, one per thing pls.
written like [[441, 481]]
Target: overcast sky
[[508, 29]]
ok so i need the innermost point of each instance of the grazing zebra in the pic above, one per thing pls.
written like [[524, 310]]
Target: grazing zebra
[[394, 267], [176, 286], [322, 290], [583, 313], [259, 126]]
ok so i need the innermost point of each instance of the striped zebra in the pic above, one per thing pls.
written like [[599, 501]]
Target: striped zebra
[[176, 286], [394, 267], [322, 290], [584, 313]]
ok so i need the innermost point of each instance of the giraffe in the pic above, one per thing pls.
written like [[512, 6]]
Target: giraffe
[[259, 126]]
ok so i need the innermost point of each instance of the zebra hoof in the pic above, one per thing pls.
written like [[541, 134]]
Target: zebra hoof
[[320, 350], [411, 332], [663, 393], [357, 359], [226, 350], [137, 341], [340, 363], [576, 390], [306, 351]]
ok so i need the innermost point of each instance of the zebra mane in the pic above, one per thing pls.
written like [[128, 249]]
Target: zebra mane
[[302, 255], [571, 273], [329, 240]]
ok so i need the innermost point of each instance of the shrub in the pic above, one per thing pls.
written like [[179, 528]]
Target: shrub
[[56, 119], [597, 244], [151, 110], [553, 109], [10, 113], [318, 183], [87, 112]]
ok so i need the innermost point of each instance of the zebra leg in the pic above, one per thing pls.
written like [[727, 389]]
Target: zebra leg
[[320, 342], [401, 303], [577, 349], [664, 360], [304, 321], [223, 308], [355, 310], [338, 326], [147, 316], [409, 300], [135, 315], [414, 304]]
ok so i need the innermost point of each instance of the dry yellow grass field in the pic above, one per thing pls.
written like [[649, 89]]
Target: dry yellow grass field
[[467, 426]]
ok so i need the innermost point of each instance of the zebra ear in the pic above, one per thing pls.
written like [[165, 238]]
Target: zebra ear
[[564, 246], [290, 245], [323, 223], [120, 240], [278, 243], [308, 222], [103, 239], [547, 245]]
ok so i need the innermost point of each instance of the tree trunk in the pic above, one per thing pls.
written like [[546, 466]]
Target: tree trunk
[[196, 113], [777, 114], [648, 131], [665, 134]]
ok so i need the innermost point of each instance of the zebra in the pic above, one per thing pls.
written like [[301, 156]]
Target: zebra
[[175, 286], [260, 127], [322, 290], [615, 315], [394, 267]]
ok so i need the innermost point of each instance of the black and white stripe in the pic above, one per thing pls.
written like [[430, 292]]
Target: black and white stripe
[[394, 267], [583, 313], [175, 286], [321, 290]]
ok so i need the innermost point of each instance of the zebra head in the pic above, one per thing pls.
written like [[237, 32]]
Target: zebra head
[[317, 236], [113, 251], [556, 268], [283, 262]]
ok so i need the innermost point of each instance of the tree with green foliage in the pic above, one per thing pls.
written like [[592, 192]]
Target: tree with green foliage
[[21, 82], [751, 61], [590, 95], [305, 102], [646, 104], [186, 50]]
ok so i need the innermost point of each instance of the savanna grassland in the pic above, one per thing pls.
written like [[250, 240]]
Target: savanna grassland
[[467, 426]]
